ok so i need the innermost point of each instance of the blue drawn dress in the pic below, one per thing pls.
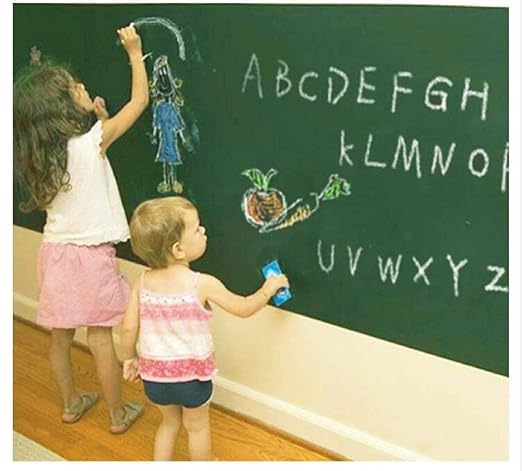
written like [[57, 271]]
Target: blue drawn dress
[[168, 122]]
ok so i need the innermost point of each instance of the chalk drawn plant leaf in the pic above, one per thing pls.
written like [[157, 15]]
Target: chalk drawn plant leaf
[[336, 187], [257, 178]]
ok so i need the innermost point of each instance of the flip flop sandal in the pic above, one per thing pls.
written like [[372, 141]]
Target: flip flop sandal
[[87, 400], [132, 412]]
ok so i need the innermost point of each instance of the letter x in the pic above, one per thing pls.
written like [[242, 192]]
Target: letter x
[[421, 270]]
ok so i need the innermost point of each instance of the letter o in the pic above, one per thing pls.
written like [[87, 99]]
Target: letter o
[[471, 163]]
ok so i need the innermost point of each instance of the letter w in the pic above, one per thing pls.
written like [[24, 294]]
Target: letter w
[[390, 269]]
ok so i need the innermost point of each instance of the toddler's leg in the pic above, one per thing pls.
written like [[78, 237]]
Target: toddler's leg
[[60, 358], [107, 368], [197, 423], [167, 432]]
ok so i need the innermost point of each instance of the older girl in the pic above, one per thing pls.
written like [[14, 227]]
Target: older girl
[[61, 162]]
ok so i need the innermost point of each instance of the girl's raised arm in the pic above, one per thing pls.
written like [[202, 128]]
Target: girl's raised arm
[[114, 127], [212, 289]]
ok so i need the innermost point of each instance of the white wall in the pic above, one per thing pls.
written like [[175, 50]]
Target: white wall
[[363, 398]]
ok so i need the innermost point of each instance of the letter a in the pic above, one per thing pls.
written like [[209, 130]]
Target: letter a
[[254, 63]]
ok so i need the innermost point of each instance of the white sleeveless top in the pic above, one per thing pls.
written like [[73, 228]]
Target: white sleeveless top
[[91, 212]]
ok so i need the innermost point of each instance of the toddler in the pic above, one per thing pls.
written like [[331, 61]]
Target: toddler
[[170, 313]]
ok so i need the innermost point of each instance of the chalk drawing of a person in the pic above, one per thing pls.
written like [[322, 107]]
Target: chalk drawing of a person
[[167, 123]]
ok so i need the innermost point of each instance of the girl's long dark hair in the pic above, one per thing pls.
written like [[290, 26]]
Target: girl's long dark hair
[[45, 118]]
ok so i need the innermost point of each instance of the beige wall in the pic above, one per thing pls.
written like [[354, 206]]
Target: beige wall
[[358, 396]]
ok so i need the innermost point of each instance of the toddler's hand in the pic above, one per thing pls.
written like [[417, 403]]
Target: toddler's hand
[[274, 283], [130, 370], [100, 109], [131, 41]]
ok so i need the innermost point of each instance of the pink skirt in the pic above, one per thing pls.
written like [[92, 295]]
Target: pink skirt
[[80, 285]]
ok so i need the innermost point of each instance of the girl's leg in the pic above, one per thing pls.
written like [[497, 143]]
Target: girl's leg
[[167, 432], [172, 175], [197, 423], [108, 369], [165, 174], [60, 358]]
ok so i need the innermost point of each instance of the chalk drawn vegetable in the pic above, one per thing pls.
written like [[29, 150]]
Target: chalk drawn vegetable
[[265, 208], [262, 204]]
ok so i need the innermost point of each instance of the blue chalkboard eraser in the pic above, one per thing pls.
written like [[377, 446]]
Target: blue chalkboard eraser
[[283, 294]]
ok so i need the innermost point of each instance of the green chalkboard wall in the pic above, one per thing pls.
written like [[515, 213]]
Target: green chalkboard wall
[[409, 105]]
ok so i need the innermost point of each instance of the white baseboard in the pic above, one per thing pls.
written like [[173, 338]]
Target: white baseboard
[[321, 431], [24, 306], [308, 426]]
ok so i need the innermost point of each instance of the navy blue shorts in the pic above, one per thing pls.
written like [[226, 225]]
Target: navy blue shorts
[[188, 394]]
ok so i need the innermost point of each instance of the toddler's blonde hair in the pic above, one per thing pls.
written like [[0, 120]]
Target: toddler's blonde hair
[[156, 225]]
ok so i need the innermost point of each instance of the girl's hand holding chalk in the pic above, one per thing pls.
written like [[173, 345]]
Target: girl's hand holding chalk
[[131, 41]]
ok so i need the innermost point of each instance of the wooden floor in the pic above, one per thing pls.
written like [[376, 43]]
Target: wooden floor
[[37, 410]]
